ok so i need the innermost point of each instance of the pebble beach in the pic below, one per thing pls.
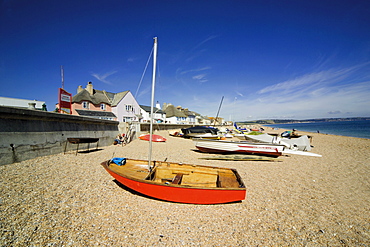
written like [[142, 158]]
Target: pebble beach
[[70, 200]]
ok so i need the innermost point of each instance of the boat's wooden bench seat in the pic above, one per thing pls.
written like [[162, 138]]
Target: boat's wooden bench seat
[[227, 180]]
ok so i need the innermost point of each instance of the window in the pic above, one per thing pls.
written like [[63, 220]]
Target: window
[[102, 107], [127, 119], [85, 104], [129, 108]]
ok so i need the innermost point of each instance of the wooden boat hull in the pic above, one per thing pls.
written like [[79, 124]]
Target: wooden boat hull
[[168, 191], [216, 146]]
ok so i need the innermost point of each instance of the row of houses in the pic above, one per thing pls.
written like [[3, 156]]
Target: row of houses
[[123, 107]]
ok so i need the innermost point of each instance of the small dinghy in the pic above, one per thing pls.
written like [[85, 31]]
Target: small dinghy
[[155, 138]]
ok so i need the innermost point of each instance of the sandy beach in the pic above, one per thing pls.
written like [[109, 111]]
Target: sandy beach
[[70, 200]]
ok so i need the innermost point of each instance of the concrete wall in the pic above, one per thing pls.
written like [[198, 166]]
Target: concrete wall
[[26, 134]]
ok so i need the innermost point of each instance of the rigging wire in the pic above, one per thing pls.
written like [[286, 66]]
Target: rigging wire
[[142, 76]]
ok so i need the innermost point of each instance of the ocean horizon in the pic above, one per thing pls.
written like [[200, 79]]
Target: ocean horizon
[[358, 128]]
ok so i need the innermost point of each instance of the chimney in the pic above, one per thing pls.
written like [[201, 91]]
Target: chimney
[[164, 106], [90, 88], [158, 105], [79, 89]]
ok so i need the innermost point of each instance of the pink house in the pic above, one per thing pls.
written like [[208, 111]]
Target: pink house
[[90, 102]]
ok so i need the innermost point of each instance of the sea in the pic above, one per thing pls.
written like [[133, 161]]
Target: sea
[[359, 128]]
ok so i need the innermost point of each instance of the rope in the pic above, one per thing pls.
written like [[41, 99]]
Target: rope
[[142, 76]]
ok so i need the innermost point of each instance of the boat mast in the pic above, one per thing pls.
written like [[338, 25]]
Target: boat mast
[[218, 111], [152, 103]]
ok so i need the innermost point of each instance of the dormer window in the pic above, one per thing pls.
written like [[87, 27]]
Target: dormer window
[[85, 104], [102, 107]]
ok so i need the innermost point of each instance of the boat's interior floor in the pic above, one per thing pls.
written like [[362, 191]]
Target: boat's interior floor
[[138, 170]]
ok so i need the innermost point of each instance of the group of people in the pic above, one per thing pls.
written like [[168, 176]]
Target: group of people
[[120, 139]]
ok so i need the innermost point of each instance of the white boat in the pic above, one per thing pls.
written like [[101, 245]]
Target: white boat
[[269, 149], [301, 143], [221, 146]]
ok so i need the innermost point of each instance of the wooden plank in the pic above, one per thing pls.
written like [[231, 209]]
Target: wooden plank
[[228, 181], [200, 180], [177, 179]]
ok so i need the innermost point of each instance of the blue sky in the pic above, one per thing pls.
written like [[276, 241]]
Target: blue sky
[[268, 59]]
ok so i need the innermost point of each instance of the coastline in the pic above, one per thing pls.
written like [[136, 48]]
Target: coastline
[[359, 129], [70, 200]]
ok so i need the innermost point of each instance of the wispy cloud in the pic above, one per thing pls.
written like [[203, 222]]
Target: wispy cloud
[[310, 86], [195, 70], [201, 78], [205, 41], [239, 93], [103, 78], [340, 92], [194, 74], [309, 81], [196, 51]]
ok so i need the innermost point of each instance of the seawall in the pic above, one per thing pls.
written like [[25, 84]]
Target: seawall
[[27, 134]]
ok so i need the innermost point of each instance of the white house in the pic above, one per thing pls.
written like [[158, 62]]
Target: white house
[[173, 115], [125, 107], [159, 116], [25, 103]]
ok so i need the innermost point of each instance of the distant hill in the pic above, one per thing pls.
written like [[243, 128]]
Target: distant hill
[[287, 121]]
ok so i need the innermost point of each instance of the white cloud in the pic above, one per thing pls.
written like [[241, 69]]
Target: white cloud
[[102, 78]]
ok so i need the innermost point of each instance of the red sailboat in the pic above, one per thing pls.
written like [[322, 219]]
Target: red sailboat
[[179, 182], [183, 183]]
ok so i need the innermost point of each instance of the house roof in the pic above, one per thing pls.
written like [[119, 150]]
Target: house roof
[[96, 98], [171, 111], [99, 97], [118, 97], [155, 109], [190, 113], [88, 113]]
